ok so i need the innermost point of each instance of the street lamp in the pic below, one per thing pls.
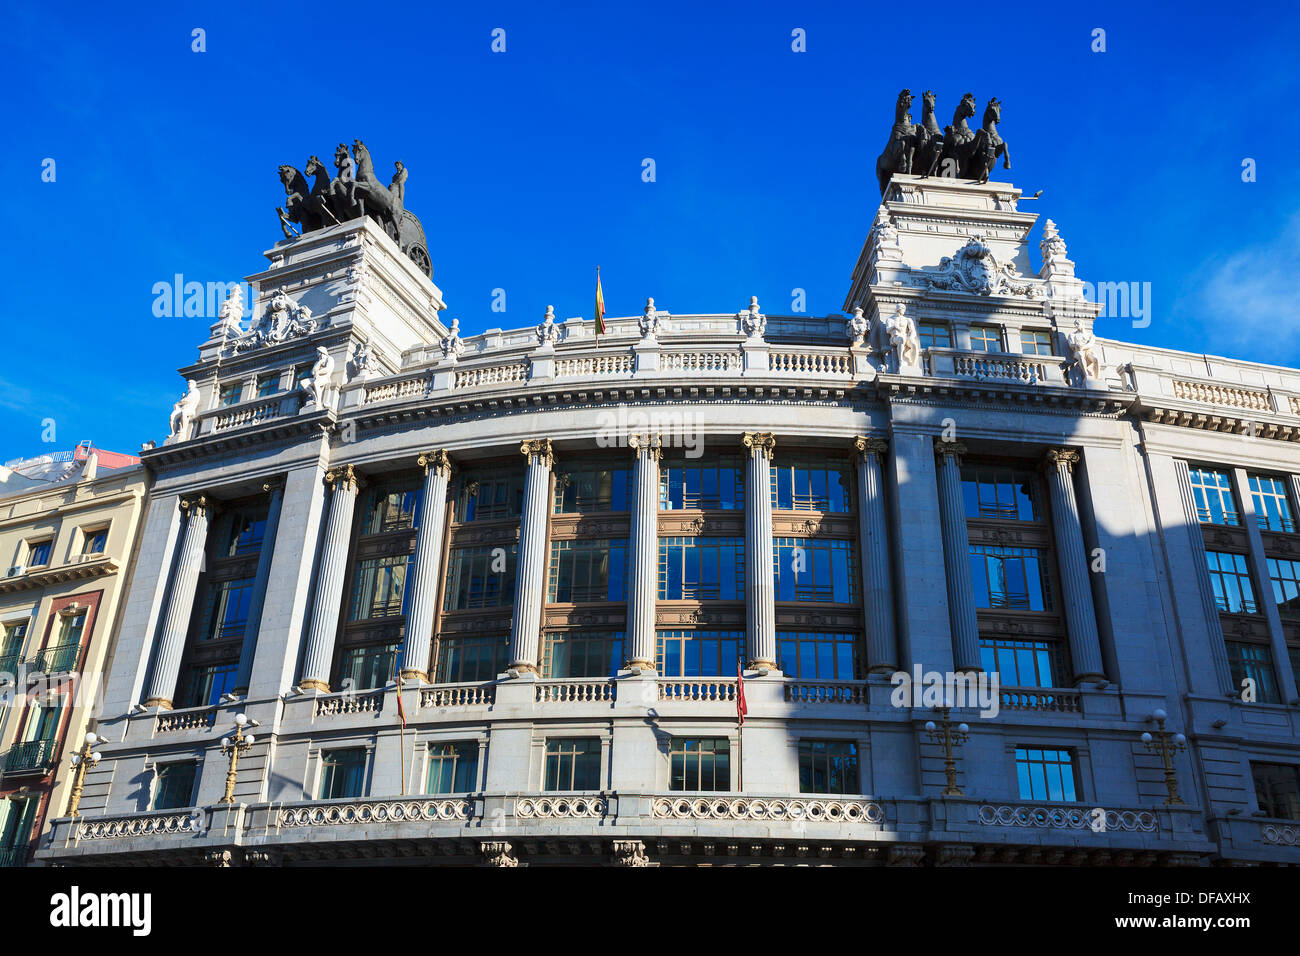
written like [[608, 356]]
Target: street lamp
[[88, 757], [233, 747], [946, 734], [1166, 745]]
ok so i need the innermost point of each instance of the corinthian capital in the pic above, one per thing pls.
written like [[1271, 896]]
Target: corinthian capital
[[943, 448], [342, 477], [651, 444], [436, 461], [867, 447], [539, 448], [1061, 458], [760, 442]]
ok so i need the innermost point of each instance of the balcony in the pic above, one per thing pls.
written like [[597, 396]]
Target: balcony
[[35, 756], [56, 659]]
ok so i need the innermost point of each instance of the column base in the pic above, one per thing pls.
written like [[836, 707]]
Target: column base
[[644, 665], [524, 667], [240, 691], [410, 673], [1080, 679], [761, 665], [162, 702], [313, 684]]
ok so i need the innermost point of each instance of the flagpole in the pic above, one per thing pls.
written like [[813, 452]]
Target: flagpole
[[598, 317]]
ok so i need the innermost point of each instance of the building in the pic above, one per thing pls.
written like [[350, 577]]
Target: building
[[567, 547], [68, 525]]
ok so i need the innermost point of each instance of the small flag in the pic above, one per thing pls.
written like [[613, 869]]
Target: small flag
[[741, 708], [397, 673], [600, 306]]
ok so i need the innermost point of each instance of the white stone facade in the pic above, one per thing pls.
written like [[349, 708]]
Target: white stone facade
[[904, 407]]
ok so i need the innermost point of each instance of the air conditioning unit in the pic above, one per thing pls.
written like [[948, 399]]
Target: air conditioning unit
[[16, 570]]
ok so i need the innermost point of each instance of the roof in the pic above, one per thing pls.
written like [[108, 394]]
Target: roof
[[21, 475]]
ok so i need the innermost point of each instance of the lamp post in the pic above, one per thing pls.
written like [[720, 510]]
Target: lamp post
[[1166, 745], [944, 733], [233, 747], [88, 757]]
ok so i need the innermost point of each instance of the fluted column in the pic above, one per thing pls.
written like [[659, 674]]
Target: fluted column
[[956, 557], [180, 604], [417, 646], [249, 646], [530, 581], [760, 595], [644, 585], [1071, 553], [319, 660], [873, 549]]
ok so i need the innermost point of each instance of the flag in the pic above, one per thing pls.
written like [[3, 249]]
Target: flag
[[600, 306], [397, 673], [741, 708]]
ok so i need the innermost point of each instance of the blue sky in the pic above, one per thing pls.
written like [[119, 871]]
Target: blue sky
[[525, 167]]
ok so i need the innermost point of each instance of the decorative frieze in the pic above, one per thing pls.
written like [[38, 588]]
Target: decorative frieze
[[374, 812], [777, 810], [1048, 817]]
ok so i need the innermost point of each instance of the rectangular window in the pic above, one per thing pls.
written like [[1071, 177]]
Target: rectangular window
[[480, 577], [985, 338], [1253, 662], [228, 604], [586, 570], [582, 653], [1046, 774], [71, 627], [1023, 663], [992, 492], [698, 653], [701, 569], [593, 489], [247, 531], [268, 384], [823, 485], [699, 763], [709, 483], [16, 818], [1035, 343], [828, 766], [472, 659], [301, 373], [38, 553], [173, 785], [453, 768], [230, 393], [1285, 577], [817, 656], [1277, 788], [1230, 579], [1272, 506], [572, 763], [94, 541], [364, 668], [815, 569], [206, 685], [934, 335], [343, 773], [1009, 578], [379, 588], [490, 496], [12, 637], [1212, 492], [392, 511]]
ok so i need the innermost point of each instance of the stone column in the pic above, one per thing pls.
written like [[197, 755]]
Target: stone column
[[180, 605], [319, 660], [873, 552], [249, 646], [760, 595], [956, 557], [417, 645], [530, 578], [644, 584], [1072, 557]]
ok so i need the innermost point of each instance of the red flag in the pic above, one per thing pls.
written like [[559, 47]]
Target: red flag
[[741, 708]]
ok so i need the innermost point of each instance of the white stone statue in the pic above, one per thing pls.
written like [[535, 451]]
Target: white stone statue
[[1087, 360], [452, 346], [652, 322], [232, 310], [903, 340], [548, 333], [1052, 246], [884, 238], [183, 411], [752, 322], [857, 328], [359, 362], [316, 384]]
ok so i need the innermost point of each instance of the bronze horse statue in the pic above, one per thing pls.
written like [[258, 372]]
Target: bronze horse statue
[[297, 207], [958, 140], [929, 139], [897, 156], [988, 145], [382, 203]]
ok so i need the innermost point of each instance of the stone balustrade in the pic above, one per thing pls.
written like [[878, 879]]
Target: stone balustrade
[[175, 721], [334, 705], [574, 691], [457, 695], [697, 689], [1037, 698], [825, 692]]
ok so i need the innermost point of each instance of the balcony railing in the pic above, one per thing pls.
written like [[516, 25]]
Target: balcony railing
[[1041, 699], [13, 856], [701, 688], [35, 756], [825, 692], [574, 691], [56, 659]]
